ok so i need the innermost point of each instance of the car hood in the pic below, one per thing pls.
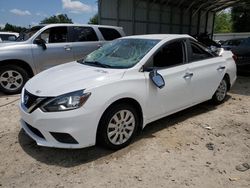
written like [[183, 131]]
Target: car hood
[[70, 77]]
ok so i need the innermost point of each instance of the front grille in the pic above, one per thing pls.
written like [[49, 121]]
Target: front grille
[[35, 131], [32, 102], [64, 138], [29, 99]]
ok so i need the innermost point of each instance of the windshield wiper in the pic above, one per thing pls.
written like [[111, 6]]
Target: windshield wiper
[[96, 63]]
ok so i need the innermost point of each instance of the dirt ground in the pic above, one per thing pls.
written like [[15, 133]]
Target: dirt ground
[[199, 147]]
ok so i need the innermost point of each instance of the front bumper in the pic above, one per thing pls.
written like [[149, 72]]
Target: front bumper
[[80, 124]]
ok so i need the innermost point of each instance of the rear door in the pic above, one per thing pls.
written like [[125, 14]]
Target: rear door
[[207, 71], [84, 40], [58, 51]]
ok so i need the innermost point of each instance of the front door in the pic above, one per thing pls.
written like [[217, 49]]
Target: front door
[[58, 49], [176, 94]]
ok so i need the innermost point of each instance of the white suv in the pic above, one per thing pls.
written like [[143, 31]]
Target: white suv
[[44, 46]]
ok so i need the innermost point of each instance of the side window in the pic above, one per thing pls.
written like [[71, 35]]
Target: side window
[[109, 33], [55, 35], [170, 55], [198, 53], [82, 34]]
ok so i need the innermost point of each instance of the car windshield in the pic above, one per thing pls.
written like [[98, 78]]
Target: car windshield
[[25, 35], [120, 53]]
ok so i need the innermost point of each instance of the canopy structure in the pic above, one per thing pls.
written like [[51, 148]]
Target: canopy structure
[[163, 16]]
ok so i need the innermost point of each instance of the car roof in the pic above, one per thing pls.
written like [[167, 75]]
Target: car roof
[[7, 33], [69, 24], [159, 36]]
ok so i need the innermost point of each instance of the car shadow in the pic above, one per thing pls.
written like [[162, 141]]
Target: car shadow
[[74, 157]]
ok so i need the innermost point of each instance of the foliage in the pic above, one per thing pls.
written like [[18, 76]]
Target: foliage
[[241, 19], [61, 18], [223, 22], [13, 28], [94, 19]]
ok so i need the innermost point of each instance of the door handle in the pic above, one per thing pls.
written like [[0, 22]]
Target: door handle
[[188, 75], [67, 48], [220, 68]]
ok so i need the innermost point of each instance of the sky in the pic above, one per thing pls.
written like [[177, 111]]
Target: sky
[[30, 12]]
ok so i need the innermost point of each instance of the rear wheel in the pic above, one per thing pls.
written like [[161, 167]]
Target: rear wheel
[[221, 92], [118, 126], [12, 79]]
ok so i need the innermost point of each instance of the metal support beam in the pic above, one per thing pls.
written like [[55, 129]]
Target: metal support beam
[[199, 20], [181, 21], [213, 26], [133, 16], [190, 22], [99, 11], [117, 11], [206, 22], [147, 16], [171, 20]]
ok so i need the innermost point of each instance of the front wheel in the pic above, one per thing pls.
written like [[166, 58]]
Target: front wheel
[[221, 92], [12, 79], [118, 126]]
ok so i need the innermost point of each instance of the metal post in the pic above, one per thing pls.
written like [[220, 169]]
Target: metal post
[[147, 16], [190, 22], [198, 24], [171, 20], [117, 11], [213, 26], [206, 22]]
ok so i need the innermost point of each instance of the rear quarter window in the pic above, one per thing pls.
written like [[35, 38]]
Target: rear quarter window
[[109, 33]]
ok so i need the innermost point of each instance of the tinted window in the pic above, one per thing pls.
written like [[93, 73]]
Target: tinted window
[[81, 34], [198, 52], [8, 37], [55, 35], [234, 42], [170, 55], [109, 33]]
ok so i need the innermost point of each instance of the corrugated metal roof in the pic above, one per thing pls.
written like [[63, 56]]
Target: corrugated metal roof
[[205, 5]]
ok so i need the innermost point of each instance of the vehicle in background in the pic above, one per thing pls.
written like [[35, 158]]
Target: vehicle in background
[[8, 36], [241, 49], [45, 46], [120, 88]]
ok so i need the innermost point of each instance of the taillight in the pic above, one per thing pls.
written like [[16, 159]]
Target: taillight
[[234, 57]]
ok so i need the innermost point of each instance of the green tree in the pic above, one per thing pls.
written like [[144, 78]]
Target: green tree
[[94, 19], [13, 28], [241, 19], [223, 22], [61, 18]]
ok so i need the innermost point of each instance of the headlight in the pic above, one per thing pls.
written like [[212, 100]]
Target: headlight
[[69, 101]]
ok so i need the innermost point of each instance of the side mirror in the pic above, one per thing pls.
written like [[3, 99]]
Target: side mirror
[[157, 79], [40, 42]]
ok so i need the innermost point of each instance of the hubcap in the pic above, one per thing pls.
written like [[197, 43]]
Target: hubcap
[[221, 91], [121, 127], [11, 80]]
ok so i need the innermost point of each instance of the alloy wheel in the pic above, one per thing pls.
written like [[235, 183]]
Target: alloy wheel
[[11, 80], [121, 127]]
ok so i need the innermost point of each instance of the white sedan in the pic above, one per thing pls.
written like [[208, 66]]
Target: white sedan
[[120, 88]]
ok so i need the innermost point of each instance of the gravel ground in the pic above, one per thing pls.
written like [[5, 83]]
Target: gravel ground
[[203, 146]]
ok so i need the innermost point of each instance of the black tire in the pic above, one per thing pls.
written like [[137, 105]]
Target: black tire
[[19, 75], [102, 134], [221, 92]]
